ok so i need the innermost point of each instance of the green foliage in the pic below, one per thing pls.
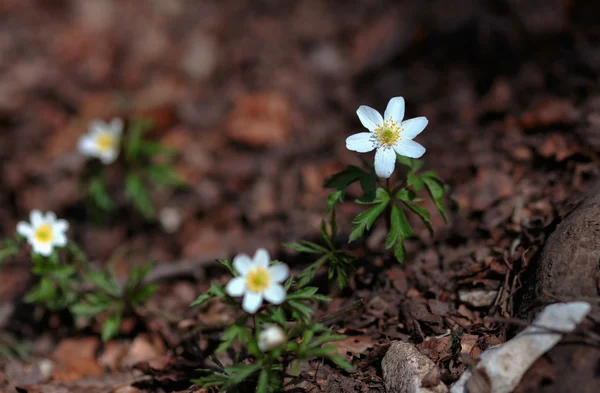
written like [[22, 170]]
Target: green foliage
[[111, 299], [8, 248], [148, 165], [67, 282], [215, 290], [365, 220], [339, 262], [264, 371]]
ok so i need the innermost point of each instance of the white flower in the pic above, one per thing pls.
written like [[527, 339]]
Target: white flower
[[44, 232], [102, 140], [257, 280], [388, 134], [271, 337]]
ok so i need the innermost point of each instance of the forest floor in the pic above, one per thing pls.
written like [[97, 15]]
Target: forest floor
[[259, 97]]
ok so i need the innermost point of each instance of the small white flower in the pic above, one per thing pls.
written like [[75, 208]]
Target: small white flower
[[44, 232], [102, 140], [257, 280], [271, 337], [388, 134]]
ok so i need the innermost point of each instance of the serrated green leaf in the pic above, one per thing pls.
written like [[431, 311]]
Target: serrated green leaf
[[437, 192], [422, 213], [307, 247], [368, 182], [399, 227], [344, 178], [363, 221], [334, 198], [414, 181], [111, 327], [381, 195], [400, 251]]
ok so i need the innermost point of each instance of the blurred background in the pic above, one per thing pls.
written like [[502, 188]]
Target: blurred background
[[259, 96]]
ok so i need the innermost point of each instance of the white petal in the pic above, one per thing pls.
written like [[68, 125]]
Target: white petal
[[116, 126], [44, 249], [36, 218], [50, 218], [413, 127], [385, 161], [60, 239], [242, 264], [279, 272], [24, 229], [252, 302], [87, 146], [275, 294], [96, 126], [409, 149], [360, 142], [395, 109], [108, 157], [261, 258], [369, 117], [61, 226], [236, 286]]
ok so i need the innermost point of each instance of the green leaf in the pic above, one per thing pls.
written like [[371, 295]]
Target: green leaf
[[399, 250], [163, 175], [413, 163], [85, 309], [414, 181], [400, 227], [263, 381], [422, 213], [437, 192], [334, 198], [111, 327], [368, 182], [328, 239], [99, 194], [134, 138], [153, 148], [215, 290], [137, 192], [365, 220], [343, 179], [307, 247], [235, 332]]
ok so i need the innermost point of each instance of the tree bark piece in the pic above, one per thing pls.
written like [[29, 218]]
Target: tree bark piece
[[568, 268]]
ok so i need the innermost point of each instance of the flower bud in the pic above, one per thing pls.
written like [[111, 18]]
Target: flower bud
[[271, 337]]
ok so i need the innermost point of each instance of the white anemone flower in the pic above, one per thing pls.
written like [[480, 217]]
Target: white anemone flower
[[102, 140], [44, 232], [388, 134], [271, 337], [257, 280]]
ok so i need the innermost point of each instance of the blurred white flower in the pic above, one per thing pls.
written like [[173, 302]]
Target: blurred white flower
[[271, 337], [102, 141], [257, 280], [388, 134], [44, 232]]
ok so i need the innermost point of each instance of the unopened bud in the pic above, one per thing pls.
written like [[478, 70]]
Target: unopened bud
[[271, 337]]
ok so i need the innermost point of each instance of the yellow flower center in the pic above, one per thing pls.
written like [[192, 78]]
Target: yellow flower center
[[105, 142], [258, 279], [388, 133], [43, 234]]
